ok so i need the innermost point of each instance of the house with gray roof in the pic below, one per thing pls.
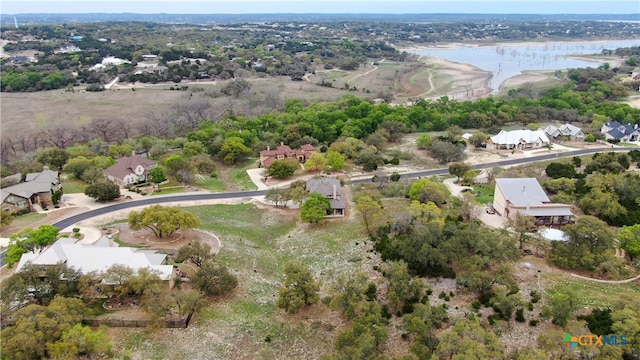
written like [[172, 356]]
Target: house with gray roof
[[525, 196], [614, 130], [98, 257], [564, 132], [37, 188], [129, 170], [332, 190]]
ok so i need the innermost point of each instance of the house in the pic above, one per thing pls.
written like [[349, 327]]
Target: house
[[130, 170], [285, 152], [564, 132], [614, 130], [518, 139], [37, 188], [331, 189], [98, 257], [525, 196]]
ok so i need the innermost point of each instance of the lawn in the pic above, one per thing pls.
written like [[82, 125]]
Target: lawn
[[483, 194], [256, 243], [595, 295], [240, 177], [73, 186], [212, 184]]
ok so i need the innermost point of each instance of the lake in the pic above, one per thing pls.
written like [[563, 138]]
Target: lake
[[508, 60]]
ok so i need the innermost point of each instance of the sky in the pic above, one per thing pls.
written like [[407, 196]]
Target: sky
[[319, 6]]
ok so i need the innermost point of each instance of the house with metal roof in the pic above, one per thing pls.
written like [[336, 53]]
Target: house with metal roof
[[518, 140], [614, 130], [331, 189], [564, 132], [525, 196], [98, 257]]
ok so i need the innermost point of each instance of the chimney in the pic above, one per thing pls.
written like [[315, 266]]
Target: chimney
[[281, 143], [335, 191], [268, 148]]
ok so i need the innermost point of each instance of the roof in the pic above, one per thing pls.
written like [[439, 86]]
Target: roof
[[34, 183], [547, 211], [616, 134], [326, 187], [516, 136], [268, 156], [126, 165], [88, 258], [550, 129], [572, 130], [522, 191]]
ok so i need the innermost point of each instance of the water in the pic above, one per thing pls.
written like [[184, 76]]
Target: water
[[505, 61]]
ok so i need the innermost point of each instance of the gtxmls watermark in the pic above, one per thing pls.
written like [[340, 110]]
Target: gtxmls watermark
[[593, 340]]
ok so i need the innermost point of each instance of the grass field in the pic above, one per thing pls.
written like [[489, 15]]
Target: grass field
[[256, 243], [73, 186], [212, 184], [592, 294], [483, 194], [240, 178]]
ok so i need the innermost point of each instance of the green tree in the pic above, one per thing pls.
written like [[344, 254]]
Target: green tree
[[590, 244], [103, 191], [561, 308], [315, 162], [53, 157], [458, 169], [93, 175], [277, 196], [477, 139], [524, 226], [371, 213], [629, 237], [315, 208], [560, 170], [5, 218], [162, 220], [423, 141], [78, 342], [77, 166], [30, 240], [282, 169], [626, 321], [156, 175], [425, 190], [35, 326], [233, 150], [402, 288], [445, 151], [469, 340], [193, 148], [214, 280], [297, 193], [300, 288], [335, 160], [196, 251]]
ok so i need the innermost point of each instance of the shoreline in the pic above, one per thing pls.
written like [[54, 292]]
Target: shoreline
[[457, 44]]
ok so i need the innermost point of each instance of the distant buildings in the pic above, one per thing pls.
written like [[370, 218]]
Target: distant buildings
[[564, 132], [332, 190], [285, 152], [130, 170], [37, 188]]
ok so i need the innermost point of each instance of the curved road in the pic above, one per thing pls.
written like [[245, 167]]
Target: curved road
[[239, 194]]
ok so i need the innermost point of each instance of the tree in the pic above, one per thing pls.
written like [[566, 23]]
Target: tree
[[561, 308], [236, 87], [156, 175], [423, 141], [277, 196], [371, 213], [297, 192], [300, 288], [77, 166], [79, 342], [281, 169], [626, 321], [629, 237], [103, 191], [233, 150], [469, 340], [214, 280], [402, 288], [590, 244], [53, 156], [196, 251], [162, 220], [315, 162], [445, 151], [35, 326], [33, 240], [315, 208], [458, 169], [92, 175], [335, 160], [523, 226], [478, 139], [560, 170], [425, 190], [5, 218]]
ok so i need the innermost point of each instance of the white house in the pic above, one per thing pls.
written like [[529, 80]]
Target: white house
[[98, 257], [518, 139]]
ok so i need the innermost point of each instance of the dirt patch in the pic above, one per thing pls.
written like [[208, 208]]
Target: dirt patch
[[169, 243]]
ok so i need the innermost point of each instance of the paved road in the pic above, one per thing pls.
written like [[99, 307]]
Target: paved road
[[240, 194]]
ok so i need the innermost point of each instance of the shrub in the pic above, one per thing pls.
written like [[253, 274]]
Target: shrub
[[520, 315], [533, 322]]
